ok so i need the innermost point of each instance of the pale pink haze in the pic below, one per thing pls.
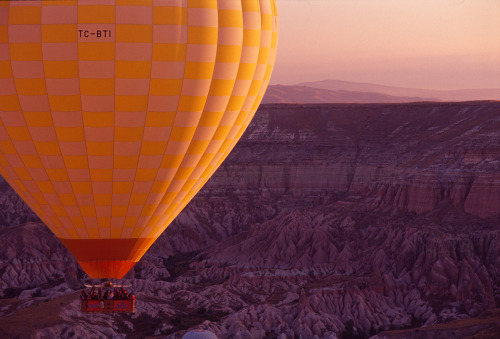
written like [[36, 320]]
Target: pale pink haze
[[438, 44]]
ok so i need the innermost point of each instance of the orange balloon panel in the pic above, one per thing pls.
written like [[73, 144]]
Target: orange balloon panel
[[114, 113]]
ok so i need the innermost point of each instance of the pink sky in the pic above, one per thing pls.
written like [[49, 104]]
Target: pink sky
[[442, 44]]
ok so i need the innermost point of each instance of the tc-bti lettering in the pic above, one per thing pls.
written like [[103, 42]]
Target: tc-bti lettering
[[100, 33]]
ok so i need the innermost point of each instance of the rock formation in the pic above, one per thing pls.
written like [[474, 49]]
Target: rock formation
[[324, 222]]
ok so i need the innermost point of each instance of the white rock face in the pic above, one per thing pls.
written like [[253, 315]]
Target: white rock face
[[325, 219]]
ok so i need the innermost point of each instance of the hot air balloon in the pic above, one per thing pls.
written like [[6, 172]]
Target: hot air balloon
[[114, 113], [199, 334]]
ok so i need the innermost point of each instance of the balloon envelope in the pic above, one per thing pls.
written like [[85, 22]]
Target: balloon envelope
[[199, 334], [114, 113]]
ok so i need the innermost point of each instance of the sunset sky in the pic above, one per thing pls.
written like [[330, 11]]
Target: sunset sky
[[438, 44]]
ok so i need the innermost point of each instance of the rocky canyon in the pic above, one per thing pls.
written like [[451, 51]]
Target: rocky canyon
[[326, 221]]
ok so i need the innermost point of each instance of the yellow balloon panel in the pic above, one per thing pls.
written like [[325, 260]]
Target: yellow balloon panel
[[113, 114]]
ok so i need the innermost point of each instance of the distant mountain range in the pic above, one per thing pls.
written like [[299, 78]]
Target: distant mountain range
[[337, 91]]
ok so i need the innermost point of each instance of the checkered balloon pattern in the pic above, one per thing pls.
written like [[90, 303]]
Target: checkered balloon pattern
[[114, 113]]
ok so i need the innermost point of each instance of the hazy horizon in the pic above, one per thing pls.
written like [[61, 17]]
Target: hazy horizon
[[380, 83], [446, 44]]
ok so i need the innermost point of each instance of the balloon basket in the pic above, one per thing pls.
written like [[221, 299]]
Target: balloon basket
[[108, 306], [107, 298]]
